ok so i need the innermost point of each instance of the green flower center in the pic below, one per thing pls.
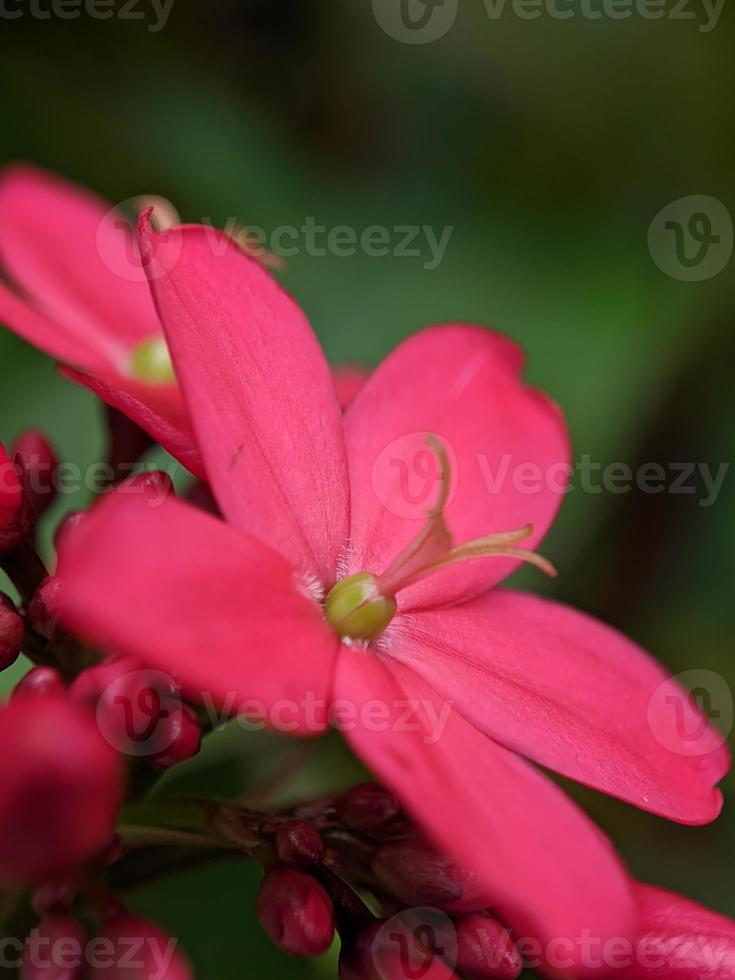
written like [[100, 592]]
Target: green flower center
[[151, 362], [356, 609]]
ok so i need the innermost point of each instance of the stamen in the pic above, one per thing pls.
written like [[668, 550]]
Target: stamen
[[432, 549]]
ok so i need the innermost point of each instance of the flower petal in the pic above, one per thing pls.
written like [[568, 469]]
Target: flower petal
[[76, 259], [158, 409], [179, 590], [507, 447], [573, 695], [54, 339], [547, 869], [61, 787], [259, 391], [681, 941]]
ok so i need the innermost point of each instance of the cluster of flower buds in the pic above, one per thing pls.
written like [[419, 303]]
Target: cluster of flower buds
[[75, 732], [325, 859]]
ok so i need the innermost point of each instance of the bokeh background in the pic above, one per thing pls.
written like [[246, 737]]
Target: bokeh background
[[549, 146]]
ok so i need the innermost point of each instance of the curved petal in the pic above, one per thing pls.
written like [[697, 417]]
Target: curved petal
[[181, 591], [77, 259], [573, 695], [23, 319], [507, 447], [548, 870], [259, 391], [158, 409], [681, 940]]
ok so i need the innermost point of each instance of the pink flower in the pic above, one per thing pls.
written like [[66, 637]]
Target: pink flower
[[78, 293], [60, 789], [331, 594]]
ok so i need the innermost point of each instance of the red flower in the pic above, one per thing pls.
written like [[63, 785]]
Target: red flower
[[60, 789], [330, 587], [79, 294]]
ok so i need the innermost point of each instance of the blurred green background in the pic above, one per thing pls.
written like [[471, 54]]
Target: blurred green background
[[549, 146]]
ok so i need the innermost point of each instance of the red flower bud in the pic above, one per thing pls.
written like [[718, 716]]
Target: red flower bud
[[55, 894], [485, 950], [180, 735], [43, 608], [367, 807], [60, 790], [419, 875], [11, 499], [296, 912], [153, 483], [55, 950], [131, 948], [139, 711], [72, 520], [39, 681], [39, 467], [12, 631], [298, 844]]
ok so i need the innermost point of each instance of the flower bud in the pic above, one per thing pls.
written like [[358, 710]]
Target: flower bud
[[367, 807], [39, 469], [54, 894], [12, 632], [11, 500], [179, 733], [154, 483], [138, 710], [419, 875], [71, 521], [39, 681], [55, 949], [296, 912], [60, 790], [89, 686], [43, 609], [136, 949], [485, 950], [298, 844]]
